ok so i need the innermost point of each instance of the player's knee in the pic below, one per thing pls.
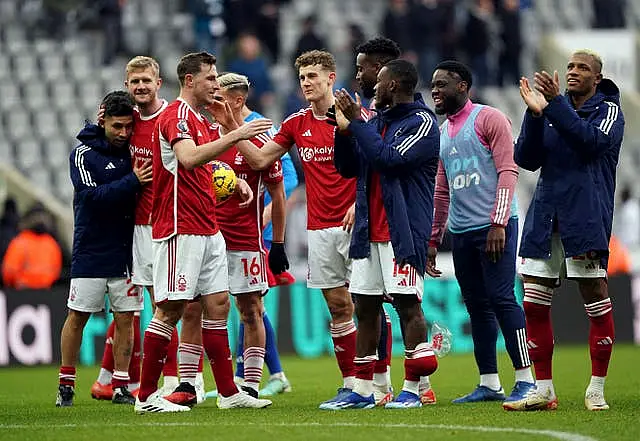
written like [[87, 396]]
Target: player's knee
[[123, 320], [549, 283], [77, 319], [593, 289], [340, 305]]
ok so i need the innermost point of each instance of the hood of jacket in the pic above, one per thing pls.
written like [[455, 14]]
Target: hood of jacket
[[94, 136], [605, 91]]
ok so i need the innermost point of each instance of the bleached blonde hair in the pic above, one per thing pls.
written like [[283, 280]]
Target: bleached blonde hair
[[597, 59], [234, 81]]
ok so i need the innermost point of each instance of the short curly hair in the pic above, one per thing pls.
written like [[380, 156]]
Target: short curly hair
[[456, 67], [311, 58], [118, 103], [382, 48]]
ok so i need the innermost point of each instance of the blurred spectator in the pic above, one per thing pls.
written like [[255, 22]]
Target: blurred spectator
[[8, 224], [509, 69], [253, 64], [626, 220], [609, 14], [54, 16], [294, 101], [447, 29], [355, 39], [261, 17], [477, 40], [619, 258], [111, 20], [398, 26], [204, 24], [309, 39], [426, 32], [33, 259]]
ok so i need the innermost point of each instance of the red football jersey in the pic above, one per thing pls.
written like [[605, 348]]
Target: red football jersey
[[141, 148], [329, 195], [378, 224], [183, 200], [242, 227]]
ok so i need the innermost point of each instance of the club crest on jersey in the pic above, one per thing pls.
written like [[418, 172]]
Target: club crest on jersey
[[181, 283], [183, 126], [238, 159]]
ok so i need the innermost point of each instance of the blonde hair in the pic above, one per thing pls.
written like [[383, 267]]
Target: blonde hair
[[594, 55], [311, 58], [142, 62], [234, 81]]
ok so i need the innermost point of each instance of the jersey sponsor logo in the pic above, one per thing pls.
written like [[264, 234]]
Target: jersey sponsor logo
[[74, 293], [183, 126], [464, 172], [181, 283], [316, 153], [143, 152]]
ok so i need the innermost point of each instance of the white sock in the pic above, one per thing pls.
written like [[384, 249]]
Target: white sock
[[279, 376], [545, 387], [425, 383], [525, 375], [411, 386], [363, 387], [104, 377], [492, 381], [133, 386], [380, 379], [170, 382], [348, 382], [253, 364], [597, 384], [199, 378], [238, 380]]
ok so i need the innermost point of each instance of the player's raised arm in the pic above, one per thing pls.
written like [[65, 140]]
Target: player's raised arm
[[261, 158], [191, 156]]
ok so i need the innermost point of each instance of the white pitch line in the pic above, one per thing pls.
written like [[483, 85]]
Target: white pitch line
[[564, 436]]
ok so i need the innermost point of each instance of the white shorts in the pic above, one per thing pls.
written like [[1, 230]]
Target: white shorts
[[558, 266], [187, 266], [142, 256], [329, 263], [247, 272], [87, 295], [378, 274]]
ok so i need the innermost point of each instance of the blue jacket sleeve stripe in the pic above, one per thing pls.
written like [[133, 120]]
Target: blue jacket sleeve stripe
[[424, 128], [612, 116], [85, 177]]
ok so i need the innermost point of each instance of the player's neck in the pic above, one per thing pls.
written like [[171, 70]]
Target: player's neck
[[150, 108], [321, 107], [245, 112], [189, 99], [579, 100]]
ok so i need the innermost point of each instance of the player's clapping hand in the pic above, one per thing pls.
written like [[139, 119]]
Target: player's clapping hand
[[349, 219], [254, 128], [222, 113], [547, 85], [344, 103], [432, 252], [143, 171], [244, 191], [534, 100], [278, 261], [496, 239]]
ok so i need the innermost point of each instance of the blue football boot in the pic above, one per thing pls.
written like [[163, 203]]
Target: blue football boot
[[481, 393], [404, 400]]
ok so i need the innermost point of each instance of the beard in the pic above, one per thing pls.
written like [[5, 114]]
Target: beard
[[367, 91]]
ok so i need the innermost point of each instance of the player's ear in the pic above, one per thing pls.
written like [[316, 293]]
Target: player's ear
[[332, 76], [159, 82]]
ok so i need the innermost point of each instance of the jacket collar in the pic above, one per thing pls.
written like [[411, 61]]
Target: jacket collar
[[401, 110], [606, 91], [93, 136]]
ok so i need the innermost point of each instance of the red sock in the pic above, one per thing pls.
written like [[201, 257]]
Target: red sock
[[67, 376], [215, 340], [344, 344], [120, 379], [365, 367], [135, 363], [156, 342], [171, 365], [537, 311], [201, 363], [107, 355], [382, 365], [419, 362], [601, 335]]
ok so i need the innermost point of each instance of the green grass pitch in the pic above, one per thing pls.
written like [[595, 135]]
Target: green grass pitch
[[28, 413]]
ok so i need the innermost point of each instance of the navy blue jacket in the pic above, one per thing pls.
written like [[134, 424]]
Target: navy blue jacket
[[406, 158], [577, 154], [104, 203]]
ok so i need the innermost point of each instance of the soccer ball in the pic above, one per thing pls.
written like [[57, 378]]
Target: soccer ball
[[223, 180]]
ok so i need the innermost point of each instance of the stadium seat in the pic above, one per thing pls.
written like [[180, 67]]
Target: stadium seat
[[29, 154], [10, 94], [52, 66], [25, 67], [63, 94], [46, 123], [79, 66], [41, 177], [36, 95], [57, 153], [18, 123]]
